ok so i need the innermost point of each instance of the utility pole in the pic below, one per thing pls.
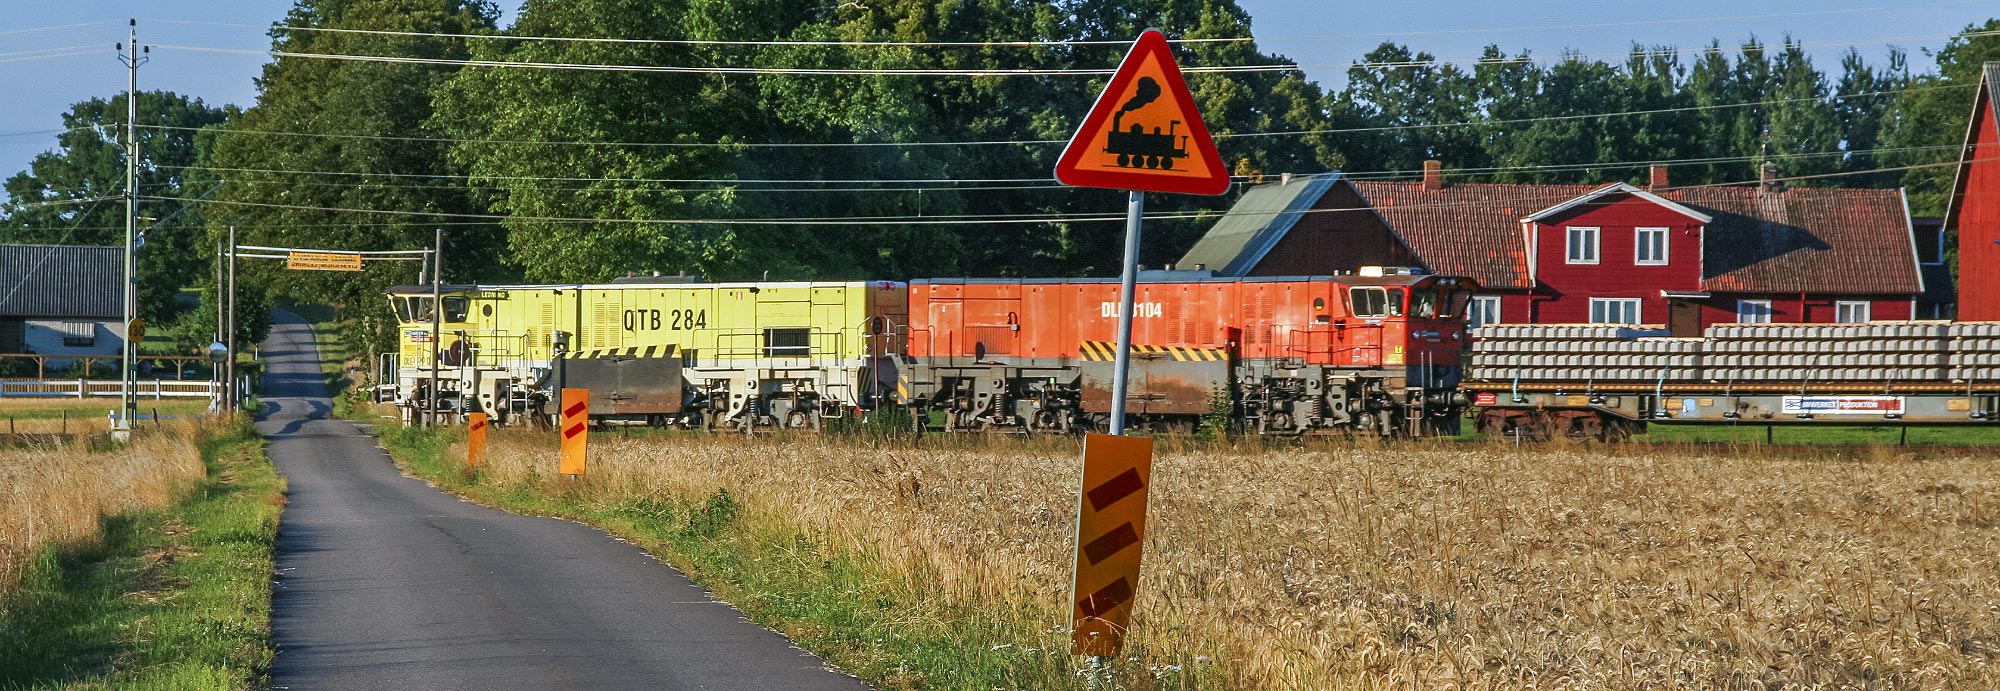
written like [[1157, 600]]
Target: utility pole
[[229, 339], [128, 405], [437, 324]]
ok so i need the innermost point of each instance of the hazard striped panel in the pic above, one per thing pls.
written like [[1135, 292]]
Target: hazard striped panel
[[575, 431], [1110, 538], [651, 351], [1106, 351]]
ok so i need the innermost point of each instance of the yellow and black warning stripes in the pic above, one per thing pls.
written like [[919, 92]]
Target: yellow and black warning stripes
[[651, 351], [1106, 351]]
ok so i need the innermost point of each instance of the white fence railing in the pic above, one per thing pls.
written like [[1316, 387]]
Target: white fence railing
[[84, 388]]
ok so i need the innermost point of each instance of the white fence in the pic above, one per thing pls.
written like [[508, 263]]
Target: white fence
[[156, 389]]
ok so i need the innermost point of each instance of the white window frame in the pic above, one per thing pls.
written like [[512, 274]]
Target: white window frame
[[1639, 244], [1570, 246], [1762, 316], [1601, 310], [1483, 305], [1864, 307]]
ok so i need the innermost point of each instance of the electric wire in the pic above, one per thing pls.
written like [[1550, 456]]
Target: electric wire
[[674, 69]]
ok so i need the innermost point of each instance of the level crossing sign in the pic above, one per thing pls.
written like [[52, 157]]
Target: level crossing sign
[[1144, 134]]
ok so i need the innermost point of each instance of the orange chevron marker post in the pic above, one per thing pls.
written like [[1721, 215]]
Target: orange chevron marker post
[[1110, 537], [575, 430], [475, 440]]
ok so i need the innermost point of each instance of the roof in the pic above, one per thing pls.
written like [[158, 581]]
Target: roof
[[1805, 240], [1797, 240], [1466, 229], [1985, 96], [61, 281], [1618, 188], [1248, 231]]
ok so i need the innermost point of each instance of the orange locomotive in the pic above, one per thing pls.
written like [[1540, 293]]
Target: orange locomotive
[[1375, 355]]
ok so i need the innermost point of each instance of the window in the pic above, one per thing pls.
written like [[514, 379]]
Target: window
[[1368, 302], [79, 334], [1485, 310], [1753, 311], [1649, 247], [455, 309], [1614, 310], [787, 342], [1582, 245], [1847, 312]]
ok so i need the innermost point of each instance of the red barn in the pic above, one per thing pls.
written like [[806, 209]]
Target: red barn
[[1617, 253], [1974, 208]]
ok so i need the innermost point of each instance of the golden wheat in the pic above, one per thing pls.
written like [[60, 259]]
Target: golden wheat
[[1415, 567], [57, 494]]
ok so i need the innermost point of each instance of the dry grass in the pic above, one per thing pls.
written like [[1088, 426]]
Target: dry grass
[[1415, 567], [56, 494]]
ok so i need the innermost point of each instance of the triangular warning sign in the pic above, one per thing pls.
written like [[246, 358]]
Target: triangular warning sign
[[1144, 133]]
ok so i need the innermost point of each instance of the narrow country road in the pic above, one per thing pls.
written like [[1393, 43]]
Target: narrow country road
[[386, 583]]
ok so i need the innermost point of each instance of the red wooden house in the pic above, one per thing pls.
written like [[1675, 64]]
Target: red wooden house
[[1974, 208], [1617, 253]]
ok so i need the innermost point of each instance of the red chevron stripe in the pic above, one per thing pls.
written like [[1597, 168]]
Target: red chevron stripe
[[569, 432], [574, 410]]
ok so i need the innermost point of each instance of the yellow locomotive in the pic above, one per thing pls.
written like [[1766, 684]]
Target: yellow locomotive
[[655, 350]]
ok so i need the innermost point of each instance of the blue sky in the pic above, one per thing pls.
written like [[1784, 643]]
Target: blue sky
[[1321, 35]]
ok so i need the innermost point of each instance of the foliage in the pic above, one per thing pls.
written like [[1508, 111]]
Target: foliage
[[73, 195], [359, 114]]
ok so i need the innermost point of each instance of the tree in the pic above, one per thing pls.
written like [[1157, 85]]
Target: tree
[[1928, 123], [334, 150], [73, 195]]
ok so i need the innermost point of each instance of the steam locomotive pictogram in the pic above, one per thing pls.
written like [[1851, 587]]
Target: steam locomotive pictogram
[[1138, 149]]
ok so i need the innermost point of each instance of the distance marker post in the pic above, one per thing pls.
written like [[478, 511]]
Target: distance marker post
[[575, 431]]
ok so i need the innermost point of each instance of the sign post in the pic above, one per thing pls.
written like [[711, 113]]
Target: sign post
[[475, 440], [1144, 134], [575, 431]]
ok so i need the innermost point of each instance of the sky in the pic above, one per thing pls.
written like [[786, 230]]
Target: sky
[[54, 53]]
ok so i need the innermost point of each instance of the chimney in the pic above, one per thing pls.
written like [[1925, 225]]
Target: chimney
[[1657, 178], [1433, 174], [1767, 179], [1285, 179]]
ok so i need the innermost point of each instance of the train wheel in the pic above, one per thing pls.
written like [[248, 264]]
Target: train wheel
[[1152, 162], [1124, 160], [1166, 163]]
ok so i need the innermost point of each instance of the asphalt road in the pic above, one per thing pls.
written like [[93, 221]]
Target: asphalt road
[[387, 583]]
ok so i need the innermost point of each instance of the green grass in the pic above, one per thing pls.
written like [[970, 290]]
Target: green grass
[[839, 604], [51, 408], [176, 599]]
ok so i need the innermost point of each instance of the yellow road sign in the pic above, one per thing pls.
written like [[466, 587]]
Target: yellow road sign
[[575, 430], [475, 440], [1110, 537], [135, 330], [323, 261]]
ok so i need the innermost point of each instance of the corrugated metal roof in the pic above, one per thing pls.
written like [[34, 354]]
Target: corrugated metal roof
[[1255, 223], [61, 281]]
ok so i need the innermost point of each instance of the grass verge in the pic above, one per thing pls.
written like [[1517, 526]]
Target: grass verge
[[175, 598], [843, 602]]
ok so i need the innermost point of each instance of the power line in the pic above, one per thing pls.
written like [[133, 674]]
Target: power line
[[1525, 60], [702, 42], [672, 69], [1636, 22], [71, 53], [78, 25], [728, 181], [1036, 142]]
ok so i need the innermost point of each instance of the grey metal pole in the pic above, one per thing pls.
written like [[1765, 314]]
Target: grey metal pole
[[230, 394], [127, 404], [1127, 276], [437, 323]]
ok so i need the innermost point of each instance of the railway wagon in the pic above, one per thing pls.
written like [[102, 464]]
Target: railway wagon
[[653, 349], [1375, 355]]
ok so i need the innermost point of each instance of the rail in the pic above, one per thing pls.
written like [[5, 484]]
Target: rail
[[84, 388]]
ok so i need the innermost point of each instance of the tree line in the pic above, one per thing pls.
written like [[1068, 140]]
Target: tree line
[[572, 175]]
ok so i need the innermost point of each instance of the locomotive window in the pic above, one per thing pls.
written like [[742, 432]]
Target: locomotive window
[[1369, 302], [1396, 296], [1455, 303], [1424, 303], [486, 310], [787, 342], [455, 309], [401, 307], [420, 309]]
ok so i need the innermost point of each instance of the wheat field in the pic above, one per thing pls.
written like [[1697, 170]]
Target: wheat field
[[56, 494], [1413, 567]]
